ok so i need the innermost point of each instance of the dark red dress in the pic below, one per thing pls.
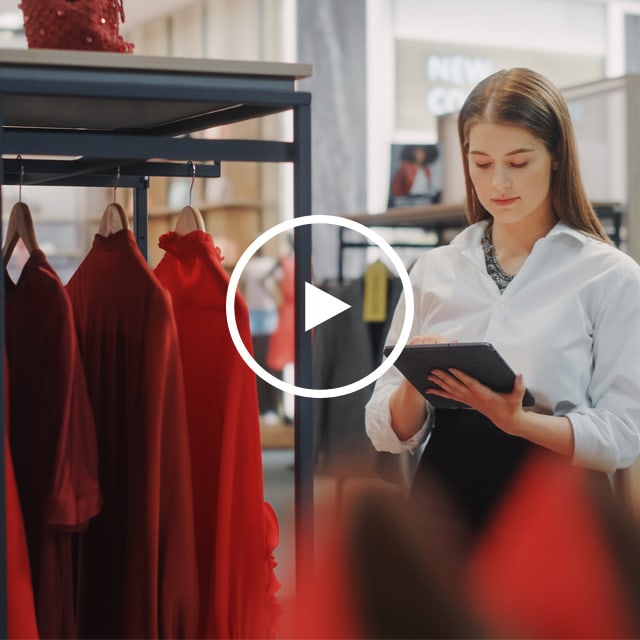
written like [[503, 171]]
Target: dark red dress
[[137, 574], [21, 614], [236, 531], [52, 436]]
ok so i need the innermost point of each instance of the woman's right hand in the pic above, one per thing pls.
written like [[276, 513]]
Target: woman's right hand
[[407, 405], [426, 338]]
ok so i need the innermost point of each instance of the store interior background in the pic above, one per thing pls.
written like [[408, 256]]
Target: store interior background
[[383, 73]]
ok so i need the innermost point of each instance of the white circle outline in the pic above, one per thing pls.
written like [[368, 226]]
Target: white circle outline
[[287, 225]]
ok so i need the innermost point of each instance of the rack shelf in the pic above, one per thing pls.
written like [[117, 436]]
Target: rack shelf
[[78, 117]]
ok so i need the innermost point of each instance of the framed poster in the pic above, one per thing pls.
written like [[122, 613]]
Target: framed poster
[[416, 176]]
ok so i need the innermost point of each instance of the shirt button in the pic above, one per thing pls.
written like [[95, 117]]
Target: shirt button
[[501, 306]]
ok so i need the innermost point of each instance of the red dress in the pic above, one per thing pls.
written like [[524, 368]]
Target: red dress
[[236, 531], [52, 436], [21, 614], [137, 574]]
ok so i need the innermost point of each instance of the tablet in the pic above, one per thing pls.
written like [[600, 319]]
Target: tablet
[[478, 359]]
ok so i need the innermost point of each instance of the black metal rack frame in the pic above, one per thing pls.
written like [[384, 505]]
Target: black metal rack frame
[[133, 116]]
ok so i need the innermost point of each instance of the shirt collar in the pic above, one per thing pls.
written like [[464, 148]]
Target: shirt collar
[[470, 238], [562, 228]]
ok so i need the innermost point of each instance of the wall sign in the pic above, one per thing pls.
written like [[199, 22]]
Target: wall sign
[[435, 78]]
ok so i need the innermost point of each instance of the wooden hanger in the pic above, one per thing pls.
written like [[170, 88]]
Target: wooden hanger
[[114, 218], [20, 226], [190, 219]]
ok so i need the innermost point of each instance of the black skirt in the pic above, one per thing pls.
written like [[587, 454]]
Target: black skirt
[[472, 461]]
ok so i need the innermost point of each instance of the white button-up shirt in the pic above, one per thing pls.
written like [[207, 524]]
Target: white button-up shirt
[[569, 321]]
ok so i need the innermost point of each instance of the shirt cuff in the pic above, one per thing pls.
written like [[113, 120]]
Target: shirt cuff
[[384, 438], [586, 450]]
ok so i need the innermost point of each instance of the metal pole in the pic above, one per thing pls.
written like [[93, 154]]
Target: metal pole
[[303, 443], [140, 224], [3, 427]]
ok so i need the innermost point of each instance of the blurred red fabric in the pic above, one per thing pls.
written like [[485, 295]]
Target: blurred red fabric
[[546, 567]]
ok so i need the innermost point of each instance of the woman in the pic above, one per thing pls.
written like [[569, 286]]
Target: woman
[[536, 275]]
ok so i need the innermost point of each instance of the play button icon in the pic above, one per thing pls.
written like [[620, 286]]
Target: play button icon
[[319, 306]]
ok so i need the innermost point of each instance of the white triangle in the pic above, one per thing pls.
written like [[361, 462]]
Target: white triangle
[[319, 306]]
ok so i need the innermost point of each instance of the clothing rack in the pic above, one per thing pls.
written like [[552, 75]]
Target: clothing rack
[[124, 118], [87, 174]]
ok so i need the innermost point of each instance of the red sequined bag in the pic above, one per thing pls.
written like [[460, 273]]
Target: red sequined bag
[[88, 25]]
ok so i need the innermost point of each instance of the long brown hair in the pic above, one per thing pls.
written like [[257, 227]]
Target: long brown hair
[[523, 98]]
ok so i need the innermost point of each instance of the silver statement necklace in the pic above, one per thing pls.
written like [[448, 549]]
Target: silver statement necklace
[[497, 273]]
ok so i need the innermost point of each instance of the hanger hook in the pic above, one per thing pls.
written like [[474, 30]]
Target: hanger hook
[[21, 178], [193, 178], [115, 186]]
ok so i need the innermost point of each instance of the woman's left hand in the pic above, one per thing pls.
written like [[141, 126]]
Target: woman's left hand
[[503, 409]]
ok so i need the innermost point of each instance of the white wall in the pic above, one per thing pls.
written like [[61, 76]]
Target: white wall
[[549, 26]]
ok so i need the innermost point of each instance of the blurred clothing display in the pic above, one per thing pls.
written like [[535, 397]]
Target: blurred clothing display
[[281, 344], [345, 350]]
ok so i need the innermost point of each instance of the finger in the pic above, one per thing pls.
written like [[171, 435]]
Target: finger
[[519, 388], [442, 393], [462, 376], [468, 381], [436, 391], [441, 378], [448, 386], [476, 386]]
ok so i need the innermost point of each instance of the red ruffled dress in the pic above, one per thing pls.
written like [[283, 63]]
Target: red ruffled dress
[[236, 531]]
